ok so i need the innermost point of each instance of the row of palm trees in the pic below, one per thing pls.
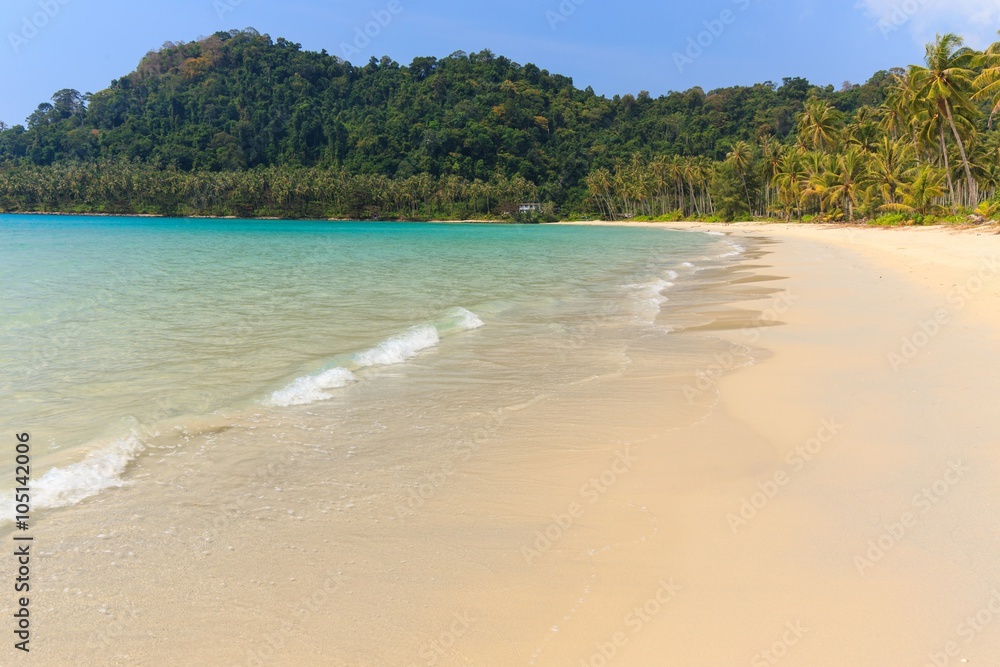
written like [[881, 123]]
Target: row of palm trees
[[928, 149], [131, 187], [653, 189]]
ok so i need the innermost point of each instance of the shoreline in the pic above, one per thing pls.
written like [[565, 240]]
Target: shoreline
[[794, 517], [684, 225], [410, 561], [862, 513], [836, 506]]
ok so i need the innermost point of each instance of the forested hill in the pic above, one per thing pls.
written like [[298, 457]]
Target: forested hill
[[239, 101]]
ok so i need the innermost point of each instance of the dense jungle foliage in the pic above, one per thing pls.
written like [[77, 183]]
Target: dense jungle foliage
[[240, 124]]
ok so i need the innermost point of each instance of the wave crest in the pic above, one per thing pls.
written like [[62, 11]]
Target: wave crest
[[395, 350], [102, 469], [312, 388]]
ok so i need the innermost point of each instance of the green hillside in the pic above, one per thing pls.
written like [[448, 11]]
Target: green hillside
[[240, 124]]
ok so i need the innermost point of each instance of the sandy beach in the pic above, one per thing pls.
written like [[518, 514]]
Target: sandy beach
[[833, 503], [838, 508], [339, 337]]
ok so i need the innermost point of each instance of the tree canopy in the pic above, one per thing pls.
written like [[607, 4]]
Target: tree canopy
[[237, 114]]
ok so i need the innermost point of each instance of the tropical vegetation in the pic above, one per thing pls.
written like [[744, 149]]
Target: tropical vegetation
[[240, 124]]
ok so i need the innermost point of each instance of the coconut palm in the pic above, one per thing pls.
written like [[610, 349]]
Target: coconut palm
[[741, 157], [988, 210], [945, 84], [790, 179], [897, 110], [847, 180], [600, 188], [819, 125], [932, 130], [771, 152], [922, 194], [864, 129], [817, 166], [987, 84], [889, 165]]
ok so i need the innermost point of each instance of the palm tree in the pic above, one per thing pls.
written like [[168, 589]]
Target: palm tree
[[864, 129], [600, 187], [898, 109], [847, 180], [889, 165], [790, 178], [987, 84], [771, 153], [945, 85], [921, 195], [819, 125], [990, 157], [817, 165], [691, 174], [741, 157]]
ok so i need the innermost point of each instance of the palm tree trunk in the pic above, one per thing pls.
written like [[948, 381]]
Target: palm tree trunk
[[961, 150], [747, 190], [947, 169], [694, 200]]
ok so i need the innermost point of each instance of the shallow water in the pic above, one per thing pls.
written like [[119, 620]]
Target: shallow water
[[337, 443], [123, 334]]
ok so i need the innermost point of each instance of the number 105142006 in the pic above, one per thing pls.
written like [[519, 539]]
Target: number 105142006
[[22, 475]]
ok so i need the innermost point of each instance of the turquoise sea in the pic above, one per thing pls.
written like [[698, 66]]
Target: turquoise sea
[[117, 334]]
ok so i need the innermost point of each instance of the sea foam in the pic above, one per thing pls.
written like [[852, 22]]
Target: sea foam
[[395, 350], [649, 298], [102, 469], [399, 348], [312, 388], [463, 319], [736, 251]]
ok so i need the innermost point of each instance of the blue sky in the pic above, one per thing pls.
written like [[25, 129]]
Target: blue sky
[[616, 47]]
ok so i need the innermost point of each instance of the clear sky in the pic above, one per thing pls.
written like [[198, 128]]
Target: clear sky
[[616, 47]]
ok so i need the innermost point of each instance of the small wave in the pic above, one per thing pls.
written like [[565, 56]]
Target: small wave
[[651, 289], [395, 350], [399, 348], [312, 388], [102, 469], [462, 319], [736, 251], [650, 298], [687, 265], [715, 233]]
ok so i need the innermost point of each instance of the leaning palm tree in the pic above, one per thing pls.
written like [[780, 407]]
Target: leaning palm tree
[[987, 84], [599, 187], [932, 128], [741, 157], [771, 152], [897, 109], [945, 84], [989, 150]]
